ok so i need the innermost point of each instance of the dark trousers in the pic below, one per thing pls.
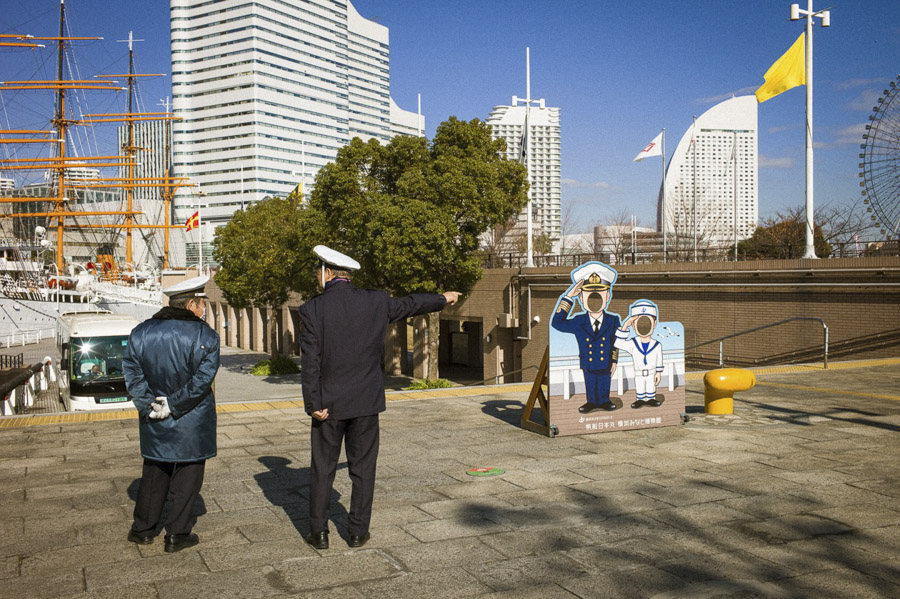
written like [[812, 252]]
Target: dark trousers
[[183, 479], [596, 386], [360, 437]]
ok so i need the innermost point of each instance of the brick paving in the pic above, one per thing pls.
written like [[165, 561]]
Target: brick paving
[[797, 495]]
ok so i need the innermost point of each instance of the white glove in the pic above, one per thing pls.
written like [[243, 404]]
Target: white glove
[[160, 409]]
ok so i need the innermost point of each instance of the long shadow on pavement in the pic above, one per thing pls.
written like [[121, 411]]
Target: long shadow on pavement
[[281, 485]]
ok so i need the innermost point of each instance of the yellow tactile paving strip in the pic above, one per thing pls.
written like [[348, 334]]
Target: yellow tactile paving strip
[[826, 389], [66, 418]]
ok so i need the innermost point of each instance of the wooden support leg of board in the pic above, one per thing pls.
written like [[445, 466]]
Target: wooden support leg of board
[[537, 393]]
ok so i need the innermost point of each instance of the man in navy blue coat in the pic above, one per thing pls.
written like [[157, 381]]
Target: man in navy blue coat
[[595, 330], [343, 384], [170, 365]]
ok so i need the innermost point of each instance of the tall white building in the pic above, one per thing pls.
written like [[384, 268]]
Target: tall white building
[[508, 123], [150, 158], [268, 91], [712, 178]]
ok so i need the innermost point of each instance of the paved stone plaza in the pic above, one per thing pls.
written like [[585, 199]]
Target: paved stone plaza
[[796, 495]]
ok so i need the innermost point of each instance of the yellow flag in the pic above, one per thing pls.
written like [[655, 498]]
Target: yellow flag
[[787, 72]]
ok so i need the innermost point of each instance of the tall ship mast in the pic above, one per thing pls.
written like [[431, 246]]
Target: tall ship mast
[[73, 223]]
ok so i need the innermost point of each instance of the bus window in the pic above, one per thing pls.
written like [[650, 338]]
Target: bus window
[[98, 358]]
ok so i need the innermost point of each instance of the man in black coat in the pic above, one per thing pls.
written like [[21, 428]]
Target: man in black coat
[[343, 385]]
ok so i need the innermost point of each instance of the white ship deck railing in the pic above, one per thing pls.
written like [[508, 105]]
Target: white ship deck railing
[[567, 378], [25, 337]]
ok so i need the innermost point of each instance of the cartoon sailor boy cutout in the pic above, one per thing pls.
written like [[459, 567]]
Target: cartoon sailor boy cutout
[[646, 352], [594, 329]]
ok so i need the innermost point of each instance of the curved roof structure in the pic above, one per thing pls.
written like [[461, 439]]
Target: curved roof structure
[[712, 178]]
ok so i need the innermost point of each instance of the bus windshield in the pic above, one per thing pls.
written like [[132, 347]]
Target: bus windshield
[[98, 359]]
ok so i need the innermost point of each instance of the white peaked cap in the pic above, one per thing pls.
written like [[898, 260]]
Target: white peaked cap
[[644, 307], [335, 258], [193, 287], [594, 274]]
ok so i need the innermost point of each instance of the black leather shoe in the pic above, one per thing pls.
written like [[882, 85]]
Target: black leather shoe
[[178, 542], [139, 539], [358, 540], [638, 404], [587, 408], [654, 402], [608, 406], [319, 540]]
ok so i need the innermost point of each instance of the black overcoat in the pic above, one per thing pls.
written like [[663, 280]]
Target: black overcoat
[[342, 346]]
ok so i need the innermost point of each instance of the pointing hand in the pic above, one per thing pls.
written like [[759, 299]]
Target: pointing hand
[[452, 297]]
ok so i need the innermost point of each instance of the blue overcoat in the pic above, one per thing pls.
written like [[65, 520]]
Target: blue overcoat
[[176, 355]]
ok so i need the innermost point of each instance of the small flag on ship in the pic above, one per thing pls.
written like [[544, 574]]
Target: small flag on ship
[[193, 222]]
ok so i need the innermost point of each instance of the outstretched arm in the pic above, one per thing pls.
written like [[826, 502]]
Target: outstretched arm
[[418, 303]]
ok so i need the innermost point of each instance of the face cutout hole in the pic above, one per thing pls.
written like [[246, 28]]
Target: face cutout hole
[[595, 301], [644, 325]]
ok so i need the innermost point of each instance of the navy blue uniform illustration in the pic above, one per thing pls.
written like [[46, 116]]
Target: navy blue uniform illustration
[[595, 330]]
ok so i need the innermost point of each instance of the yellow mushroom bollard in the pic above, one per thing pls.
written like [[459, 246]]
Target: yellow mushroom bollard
[[719, 387]]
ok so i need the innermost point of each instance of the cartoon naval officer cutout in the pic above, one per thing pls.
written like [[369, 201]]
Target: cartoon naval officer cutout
[[607, 375], [594, 330]]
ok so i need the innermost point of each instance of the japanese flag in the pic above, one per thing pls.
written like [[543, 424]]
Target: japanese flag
[[654, 148]]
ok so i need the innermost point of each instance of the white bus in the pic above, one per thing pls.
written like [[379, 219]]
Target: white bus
[[91, 347]]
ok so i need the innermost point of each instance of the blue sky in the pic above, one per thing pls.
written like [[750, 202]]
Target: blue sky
[[618, 71]]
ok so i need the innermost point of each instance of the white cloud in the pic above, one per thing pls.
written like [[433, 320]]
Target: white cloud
[[850, 135], [726, 96], [865, 100], [766, 162], [851, 83], [582, 184]]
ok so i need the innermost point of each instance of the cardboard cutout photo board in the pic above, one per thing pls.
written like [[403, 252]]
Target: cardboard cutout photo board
[[612, 373]]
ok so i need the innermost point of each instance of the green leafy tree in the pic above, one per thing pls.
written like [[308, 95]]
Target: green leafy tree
[[257, 251], [411, 212], [783, 237]]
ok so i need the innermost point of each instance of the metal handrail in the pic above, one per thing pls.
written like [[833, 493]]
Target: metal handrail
[[766, 326], [496, 378]]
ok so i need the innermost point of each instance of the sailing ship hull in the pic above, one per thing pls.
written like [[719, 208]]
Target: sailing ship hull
[[30, 316]]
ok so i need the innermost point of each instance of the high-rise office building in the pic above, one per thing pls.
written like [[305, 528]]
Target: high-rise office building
[[508, 123], [268, 91], [150, 163], [712, 178]]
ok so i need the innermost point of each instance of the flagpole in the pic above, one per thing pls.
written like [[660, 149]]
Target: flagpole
[[200, 228], [735, 218], [694, 202], [825, 15], [529, 261], [664, 193], [810, 221]]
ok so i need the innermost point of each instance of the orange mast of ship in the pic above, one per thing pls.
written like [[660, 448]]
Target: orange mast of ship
[[61, 163]]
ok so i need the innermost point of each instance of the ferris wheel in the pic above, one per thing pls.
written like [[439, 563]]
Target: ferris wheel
[[880, 166]]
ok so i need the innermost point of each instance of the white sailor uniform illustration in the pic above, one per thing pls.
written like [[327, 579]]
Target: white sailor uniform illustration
[[646, 352]]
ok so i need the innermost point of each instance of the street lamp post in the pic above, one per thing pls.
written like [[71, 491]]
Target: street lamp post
[[825, 15]]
